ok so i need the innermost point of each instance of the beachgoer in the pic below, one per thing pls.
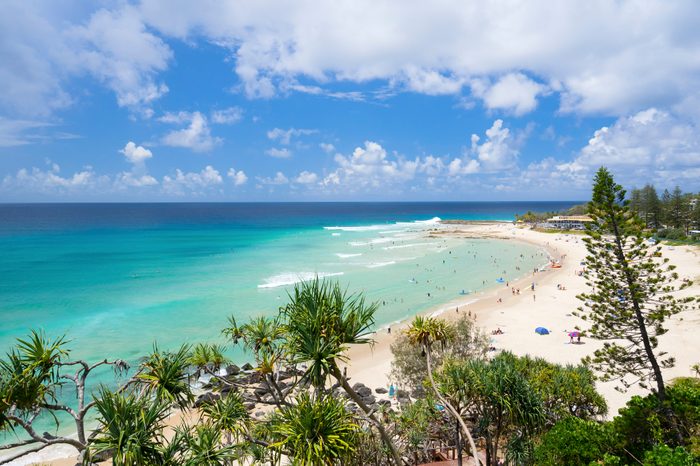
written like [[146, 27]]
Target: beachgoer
[[534, 298], [388, 330]]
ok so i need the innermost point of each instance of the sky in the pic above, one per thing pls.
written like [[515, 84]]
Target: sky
[[348, 100]]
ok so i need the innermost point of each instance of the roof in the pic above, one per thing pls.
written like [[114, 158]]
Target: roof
[[571, 218]]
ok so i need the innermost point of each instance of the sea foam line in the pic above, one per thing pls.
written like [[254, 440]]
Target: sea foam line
[[432, 221], [345, 256], [285, 279]]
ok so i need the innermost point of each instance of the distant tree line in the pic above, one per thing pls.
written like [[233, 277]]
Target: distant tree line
[[673, 215]]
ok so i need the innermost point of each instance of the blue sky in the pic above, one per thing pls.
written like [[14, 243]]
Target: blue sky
[[357, 100]]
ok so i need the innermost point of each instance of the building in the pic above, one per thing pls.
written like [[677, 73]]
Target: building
[[568, 222]]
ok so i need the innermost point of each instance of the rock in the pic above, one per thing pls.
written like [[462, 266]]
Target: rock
[[259, 414], [247, 367], [381, 390], [358, 386], [385, 403], [369, 400], [207, 398], [263, 389], [233, 370], [249, 406]]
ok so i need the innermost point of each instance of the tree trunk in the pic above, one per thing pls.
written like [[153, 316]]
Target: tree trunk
[[451, 409], [638, 313], [459, 444], [356, 398]]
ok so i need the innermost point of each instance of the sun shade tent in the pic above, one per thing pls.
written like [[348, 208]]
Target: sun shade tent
[[542, 331]]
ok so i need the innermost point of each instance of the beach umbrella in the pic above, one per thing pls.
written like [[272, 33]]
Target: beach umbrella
[[542, 331], [574, 334]]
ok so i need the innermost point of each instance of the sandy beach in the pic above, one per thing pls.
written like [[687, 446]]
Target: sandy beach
[[550, 305]]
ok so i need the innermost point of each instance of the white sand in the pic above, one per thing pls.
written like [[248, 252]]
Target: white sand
[[518, 316]]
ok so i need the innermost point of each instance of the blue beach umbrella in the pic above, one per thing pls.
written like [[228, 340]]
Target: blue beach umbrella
[[542, 331]]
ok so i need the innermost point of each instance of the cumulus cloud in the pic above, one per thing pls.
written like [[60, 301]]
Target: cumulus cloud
[[278, 179], [238, 176], [196, 136], [514, 93], [499, 151], [306, 177], [282, 153], [194, 182], [370, 166], [36, 180], [136, 154], [138, 176], [649, 145], [227, 116], [284, 136]]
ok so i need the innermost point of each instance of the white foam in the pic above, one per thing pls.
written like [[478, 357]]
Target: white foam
[[285, 279], [335, 234], [410, 245], [432, 221], [358, 228], [371, 242], [345, 256], [380, 264]]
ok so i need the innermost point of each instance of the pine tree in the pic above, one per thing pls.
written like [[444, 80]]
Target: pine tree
[[632, 291], [651, 206], [678, 209]]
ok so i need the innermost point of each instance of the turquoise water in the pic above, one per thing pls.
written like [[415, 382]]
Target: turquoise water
[[117, 278], [116, 289]]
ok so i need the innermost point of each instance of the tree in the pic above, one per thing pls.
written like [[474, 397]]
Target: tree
[[321, 321], [574, 441], [499, 397], [314, 431], [31, 376], [631, 291], [409, 368], [130, 428], [651, 207], [678, 209], [424, 332]]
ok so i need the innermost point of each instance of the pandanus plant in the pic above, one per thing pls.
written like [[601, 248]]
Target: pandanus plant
[[426, 332]]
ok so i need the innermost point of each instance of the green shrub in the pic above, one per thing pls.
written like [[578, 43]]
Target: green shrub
[[574, 441], [663, 455]]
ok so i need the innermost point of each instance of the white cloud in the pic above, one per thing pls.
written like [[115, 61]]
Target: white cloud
[[194, 182], [278, 179], [284, 136], [306, 177], [498, 151], [639, 53], [327, 147], [17, 132], [514, 93], [651, 145], [49, 181], [459, 167], [138, 176], [136, 154], [227, 116], [196, 136], [282, 153], [238, 176], [131, 179], [370, 166]]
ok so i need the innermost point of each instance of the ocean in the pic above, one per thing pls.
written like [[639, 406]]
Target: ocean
[[117, 278]]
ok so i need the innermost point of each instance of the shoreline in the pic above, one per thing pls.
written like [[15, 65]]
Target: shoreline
[[516, 315]]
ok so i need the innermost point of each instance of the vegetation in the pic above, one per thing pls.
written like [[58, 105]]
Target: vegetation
[[632, 291]]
